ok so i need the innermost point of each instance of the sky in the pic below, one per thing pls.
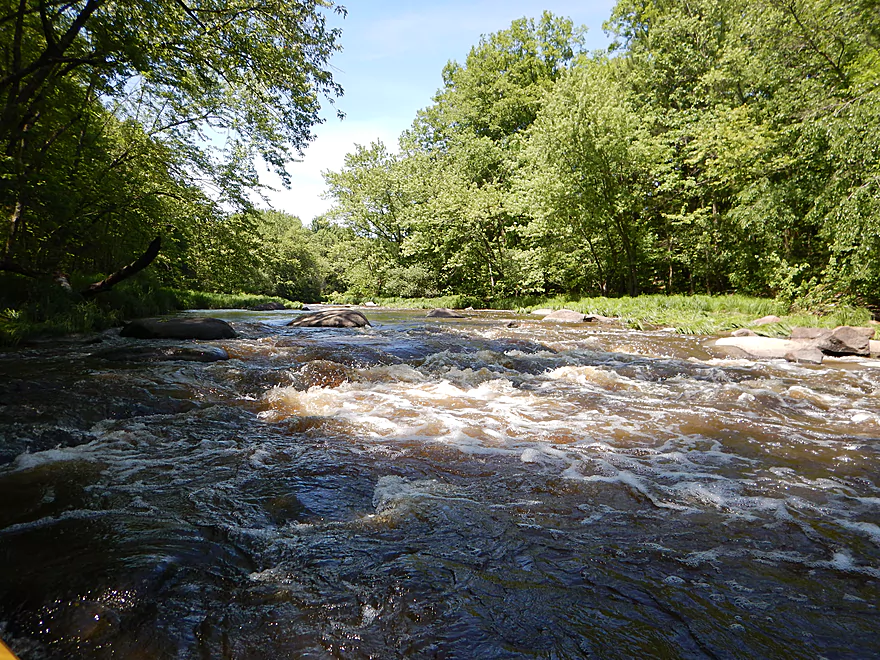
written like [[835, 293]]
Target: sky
[[391, 65]]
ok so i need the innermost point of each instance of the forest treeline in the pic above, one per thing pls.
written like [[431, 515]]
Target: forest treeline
[[721, 145], [717, 146]]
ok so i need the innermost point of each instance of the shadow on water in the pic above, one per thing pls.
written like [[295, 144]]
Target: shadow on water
[[437, 490]]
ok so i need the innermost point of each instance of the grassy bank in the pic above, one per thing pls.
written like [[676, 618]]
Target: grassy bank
[[699, 314], [31, 309], [704, 315]]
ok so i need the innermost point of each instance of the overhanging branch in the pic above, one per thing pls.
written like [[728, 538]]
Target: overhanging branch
[[124, 273]]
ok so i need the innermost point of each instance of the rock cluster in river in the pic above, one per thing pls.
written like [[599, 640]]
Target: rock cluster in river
[[805, 345], [331, 318]]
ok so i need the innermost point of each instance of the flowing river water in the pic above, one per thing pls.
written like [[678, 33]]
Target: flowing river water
[[490, 487]]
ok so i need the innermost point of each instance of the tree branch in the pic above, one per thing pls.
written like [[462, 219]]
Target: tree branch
[[124, 273]]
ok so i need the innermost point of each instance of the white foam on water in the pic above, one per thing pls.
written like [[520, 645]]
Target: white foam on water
[[871, 530], [28, 461], [594, 376]]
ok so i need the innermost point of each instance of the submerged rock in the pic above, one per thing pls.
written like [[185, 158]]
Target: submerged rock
[[267, 307], [194, 327], [163, 353], [443, 313], [566, 316], [331, 318]]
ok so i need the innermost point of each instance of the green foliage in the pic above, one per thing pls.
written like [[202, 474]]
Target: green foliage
[[448, 302], [725, 146], [123, 122], [32, 308]]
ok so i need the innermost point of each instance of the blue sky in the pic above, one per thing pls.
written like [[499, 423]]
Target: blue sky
[[390, 66]]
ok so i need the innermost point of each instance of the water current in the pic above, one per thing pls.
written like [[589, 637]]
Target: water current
[[489, 487]]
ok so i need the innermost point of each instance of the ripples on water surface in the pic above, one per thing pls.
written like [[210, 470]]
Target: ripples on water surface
[[438, 489]]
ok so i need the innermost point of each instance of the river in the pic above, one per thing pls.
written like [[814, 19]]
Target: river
[[489, 487]]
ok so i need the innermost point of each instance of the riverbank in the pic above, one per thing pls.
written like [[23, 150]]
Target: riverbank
[[690, 315], [49, 311], [30, 309]]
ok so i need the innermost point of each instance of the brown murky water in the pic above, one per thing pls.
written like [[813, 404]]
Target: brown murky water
[[438, 489]]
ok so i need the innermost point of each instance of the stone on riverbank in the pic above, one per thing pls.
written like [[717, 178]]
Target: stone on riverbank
[[743, 332], [194, 327], [760, 348], [767, 320], [565, 316], [842, 340], [331, 318]]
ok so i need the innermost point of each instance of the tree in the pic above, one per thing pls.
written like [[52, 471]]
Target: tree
[[588, 178], [185, 74]]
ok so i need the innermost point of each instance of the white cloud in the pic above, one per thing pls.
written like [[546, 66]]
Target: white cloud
[[335, 140]]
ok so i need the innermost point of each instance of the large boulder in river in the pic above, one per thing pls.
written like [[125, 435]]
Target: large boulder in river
[[188, 327], [842, 340], [565, 316], [331, 318], [443, 313]]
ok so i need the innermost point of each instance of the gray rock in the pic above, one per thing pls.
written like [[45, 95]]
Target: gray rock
[[874, 347], [541, 312], [743, 332], [598, 318], [766, 320], [842, 340], [805, 355], [163, 353], [331, 318], [443, 313], [810, 334], [192, 327], [760, 348], [565, 316], [848, 340]]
